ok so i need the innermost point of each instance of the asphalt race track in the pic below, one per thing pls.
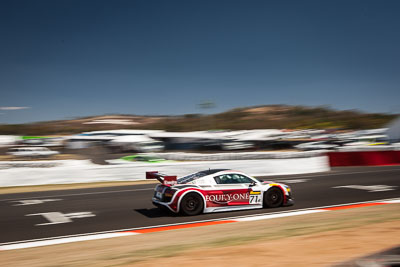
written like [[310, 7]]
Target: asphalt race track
[[27, 216]]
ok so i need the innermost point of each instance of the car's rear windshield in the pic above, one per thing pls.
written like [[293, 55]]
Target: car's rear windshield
[[197, 175], [191, 177]]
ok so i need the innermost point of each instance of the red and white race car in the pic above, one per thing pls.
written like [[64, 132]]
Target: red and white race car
[[216, 190]]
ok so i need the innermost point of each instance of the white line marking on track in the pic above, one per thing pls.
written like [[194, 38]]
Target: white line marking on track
[[394, 201], [281, 215], [369, 188], [63, 240]]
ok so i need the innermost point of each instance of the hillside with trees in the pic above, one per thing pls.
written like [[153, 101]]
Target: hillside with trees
[[258, 117]]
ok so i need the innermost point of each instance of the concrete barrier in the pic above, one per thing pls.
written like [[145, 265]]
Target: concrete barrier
[[364, 158], [86, 172], [42, 163]]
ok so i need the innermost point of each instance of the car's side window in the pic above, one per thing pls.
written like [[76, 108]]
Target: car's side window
[[232, 179], [241, 179], [223, 179]]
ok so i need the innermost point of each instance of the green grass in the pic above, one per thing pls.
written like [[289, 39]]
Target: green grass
[[33, 137]]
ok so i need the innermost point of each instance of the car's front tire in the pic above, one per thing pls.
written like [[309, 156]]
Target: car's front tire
[[273, 198], [191, 204]]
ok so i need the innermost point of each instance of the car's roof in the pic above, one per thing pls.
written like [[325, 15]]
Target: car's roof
[[212, 171]]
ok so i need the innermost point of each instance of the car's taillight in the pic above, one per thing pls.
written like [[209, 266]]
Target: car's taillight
[[168, 194]]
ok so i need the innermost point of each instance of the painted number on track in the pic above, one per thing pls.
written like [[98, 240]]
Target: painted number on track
[[59, 217], [33, 201]]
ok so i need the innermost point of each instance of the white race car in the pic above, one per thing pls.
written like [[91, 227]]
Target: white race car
[[217, 190]]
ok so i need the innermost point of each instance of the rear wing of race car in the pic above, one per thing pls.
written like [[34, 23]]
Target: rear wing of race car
[[164, 179]]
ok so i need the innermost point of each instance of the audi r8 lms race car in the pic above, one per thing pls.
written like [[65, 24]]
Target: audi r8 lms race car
[[217, 190]]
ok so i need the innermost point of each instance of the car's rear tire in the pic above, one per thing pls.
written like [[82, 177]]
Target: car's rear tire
[[191, 204], [273, 198]]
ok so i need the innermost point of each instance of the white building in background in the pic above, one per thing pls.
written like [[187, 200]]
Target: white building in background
[[393, 131], [121, 132], [122, 140], [8, 140]]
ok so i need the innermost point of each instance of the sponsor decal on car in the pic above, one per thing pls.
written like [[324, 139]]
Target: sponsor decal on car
[[227, 198]]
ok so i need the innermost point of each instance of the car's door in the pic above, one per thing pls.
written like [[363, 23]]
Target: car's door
[[232, 189], [252, 186]]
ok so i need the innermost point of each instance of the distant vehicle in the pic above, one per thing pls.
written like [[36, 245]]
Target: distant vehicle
[[31, 152], [33, 142], [42, 141], [370, 140], [217, 190], [318, 145], [144, 158], [139, 143]]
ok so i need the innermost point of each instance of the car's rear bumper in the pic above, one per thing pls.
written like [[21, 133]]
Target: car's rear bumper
[[162, 205]]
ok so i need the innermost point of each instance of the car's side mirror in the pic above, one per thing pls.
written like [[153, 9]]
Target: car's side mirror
[[252, 184]]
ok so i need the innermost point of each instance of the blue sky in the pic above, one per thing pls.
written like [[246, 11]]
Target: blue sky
[[69, 58]]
